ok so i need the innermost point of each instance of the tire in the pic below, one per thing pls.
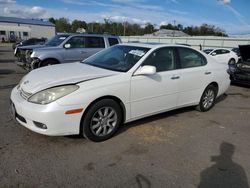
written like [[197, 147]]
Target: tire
[[48, 62], [231, 61], [102, 120], [207, 100]]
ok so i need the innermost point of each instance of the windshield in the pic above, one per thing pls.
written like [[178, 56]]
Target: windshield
[[56, 40], [118, 58], [207, 51]]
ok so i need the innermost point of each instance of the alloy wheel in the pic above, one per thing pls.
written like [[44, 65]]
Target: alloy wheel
[[208, 99], [103, 121]]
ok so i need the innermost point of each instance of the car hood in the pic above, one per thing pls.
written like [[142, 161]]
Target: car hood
[[28, 47], [245, 52], [55, 75]]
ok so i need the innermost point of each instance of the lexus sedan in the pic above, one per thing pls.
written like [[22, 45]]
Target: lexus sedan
[[117, 85], [223, 55]]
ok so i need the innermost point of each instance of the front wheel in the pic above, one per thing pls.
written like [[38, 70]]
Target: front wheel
[[207, 99], [48, 62], [101, 120], [231, 62]]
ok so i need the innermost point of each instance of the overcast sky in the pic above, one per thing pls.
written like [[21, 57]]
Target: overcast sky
[[232, 15]]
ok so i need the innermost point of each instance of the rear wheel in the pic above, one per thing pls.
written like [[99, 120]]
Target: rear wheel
[[207, 99], [102, 120], [48, 62]]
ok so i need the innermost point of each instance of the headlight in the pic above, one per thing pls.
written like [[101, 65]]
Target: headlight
[[49, 95]]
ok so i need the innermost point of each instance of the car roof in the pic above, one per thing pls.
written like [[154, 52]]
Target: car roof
[[222, 49], [89, 34], [152, 45]]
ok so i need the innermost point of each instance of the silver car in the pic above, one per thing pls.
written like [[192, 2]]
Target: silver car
[[63, 48]]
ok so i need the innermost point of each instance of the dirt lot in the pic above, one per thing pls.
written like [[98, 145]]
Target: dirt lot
[[183, 148]]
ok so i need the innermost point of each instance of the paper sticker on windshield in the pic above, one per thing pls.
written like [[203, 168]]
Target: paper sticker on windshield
[[62, 38], [139, 53]]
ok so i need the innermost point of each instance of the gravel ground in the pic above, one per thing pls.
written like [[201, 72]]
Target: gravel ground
[[180, 149]]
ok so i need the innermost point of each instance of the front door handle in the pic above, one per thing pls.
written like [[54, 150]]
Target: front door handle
[[208, 72], [175, 77], [83, 52]]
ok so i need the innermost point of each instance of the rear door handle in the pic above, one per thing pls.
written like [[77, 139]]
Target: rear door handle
[[83, 52], [208, 72], [175, 77]]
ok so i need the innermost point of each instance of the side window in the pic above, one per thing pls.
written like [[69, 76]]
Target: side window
[[76, 42], [2, 32], [95, 42], [113, 41], [25, 34], [163, 59], [225, 51], [218, 52], [190, 58], [32, 41]]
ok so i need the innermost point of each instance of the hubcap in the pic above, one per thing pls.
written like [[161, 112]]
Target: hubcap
[[103, 121], [208, 99]]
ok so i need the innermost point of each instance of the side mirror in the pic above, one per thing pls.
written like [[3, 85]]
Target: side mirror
[[145, 70], [214, 54], [67, 46]]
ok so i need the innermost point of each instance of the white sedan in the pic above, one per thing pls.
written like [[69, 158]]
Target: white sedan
[[117, 85], [223, 55]]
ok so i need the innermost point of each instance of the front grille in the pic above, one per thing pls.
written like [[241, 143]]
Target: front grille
[[25, 94], [23, 55]]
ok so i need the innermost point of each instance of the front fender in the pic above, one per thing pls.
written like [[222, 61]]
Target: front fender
[[46, 55]]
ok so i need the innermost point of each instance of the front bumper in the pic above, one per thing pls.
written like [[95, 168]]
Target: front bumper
[[30, 64], [240, 77], [52, 115], [24, 65]]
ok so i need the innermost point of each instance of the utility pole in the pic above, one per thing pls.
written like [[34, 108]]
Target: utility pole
[[124, 28], [174, 28]]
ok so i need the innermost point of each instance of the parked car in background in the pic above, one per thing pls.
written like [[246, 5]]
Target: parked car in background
[[223, 55], [240, 72], [237, 51], [64, 48], [119, 84], [31, 41]]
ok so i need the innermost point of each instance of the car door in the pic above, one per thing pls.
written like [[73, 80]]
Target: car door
[[225, 56], [76, 51], [194, 77], [217, 54], [158, 92]]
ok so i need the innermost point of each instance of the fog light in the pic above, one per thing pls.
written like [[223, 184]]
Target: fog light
[[40, 125]]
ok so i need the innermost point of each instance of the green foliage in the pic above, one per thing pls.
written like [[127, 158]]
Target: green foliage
[[62, 25], [205, 30], [77, 24], [118, 28]]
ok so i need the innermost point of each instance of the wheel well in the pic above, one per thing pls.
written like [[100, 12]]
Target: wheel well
[[214, 84], [232, 59], [51, 59], [116, 99]]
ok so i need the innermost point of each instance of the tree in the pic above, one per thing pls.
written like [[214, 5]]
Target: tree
[[76, 24], [52, 20], [118, 28], [63, 25], [149, 28]]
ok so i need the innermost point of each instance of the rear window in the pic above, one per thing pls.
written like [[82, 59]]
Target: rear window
[[190, 58], [94, 42], [113, 41]]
